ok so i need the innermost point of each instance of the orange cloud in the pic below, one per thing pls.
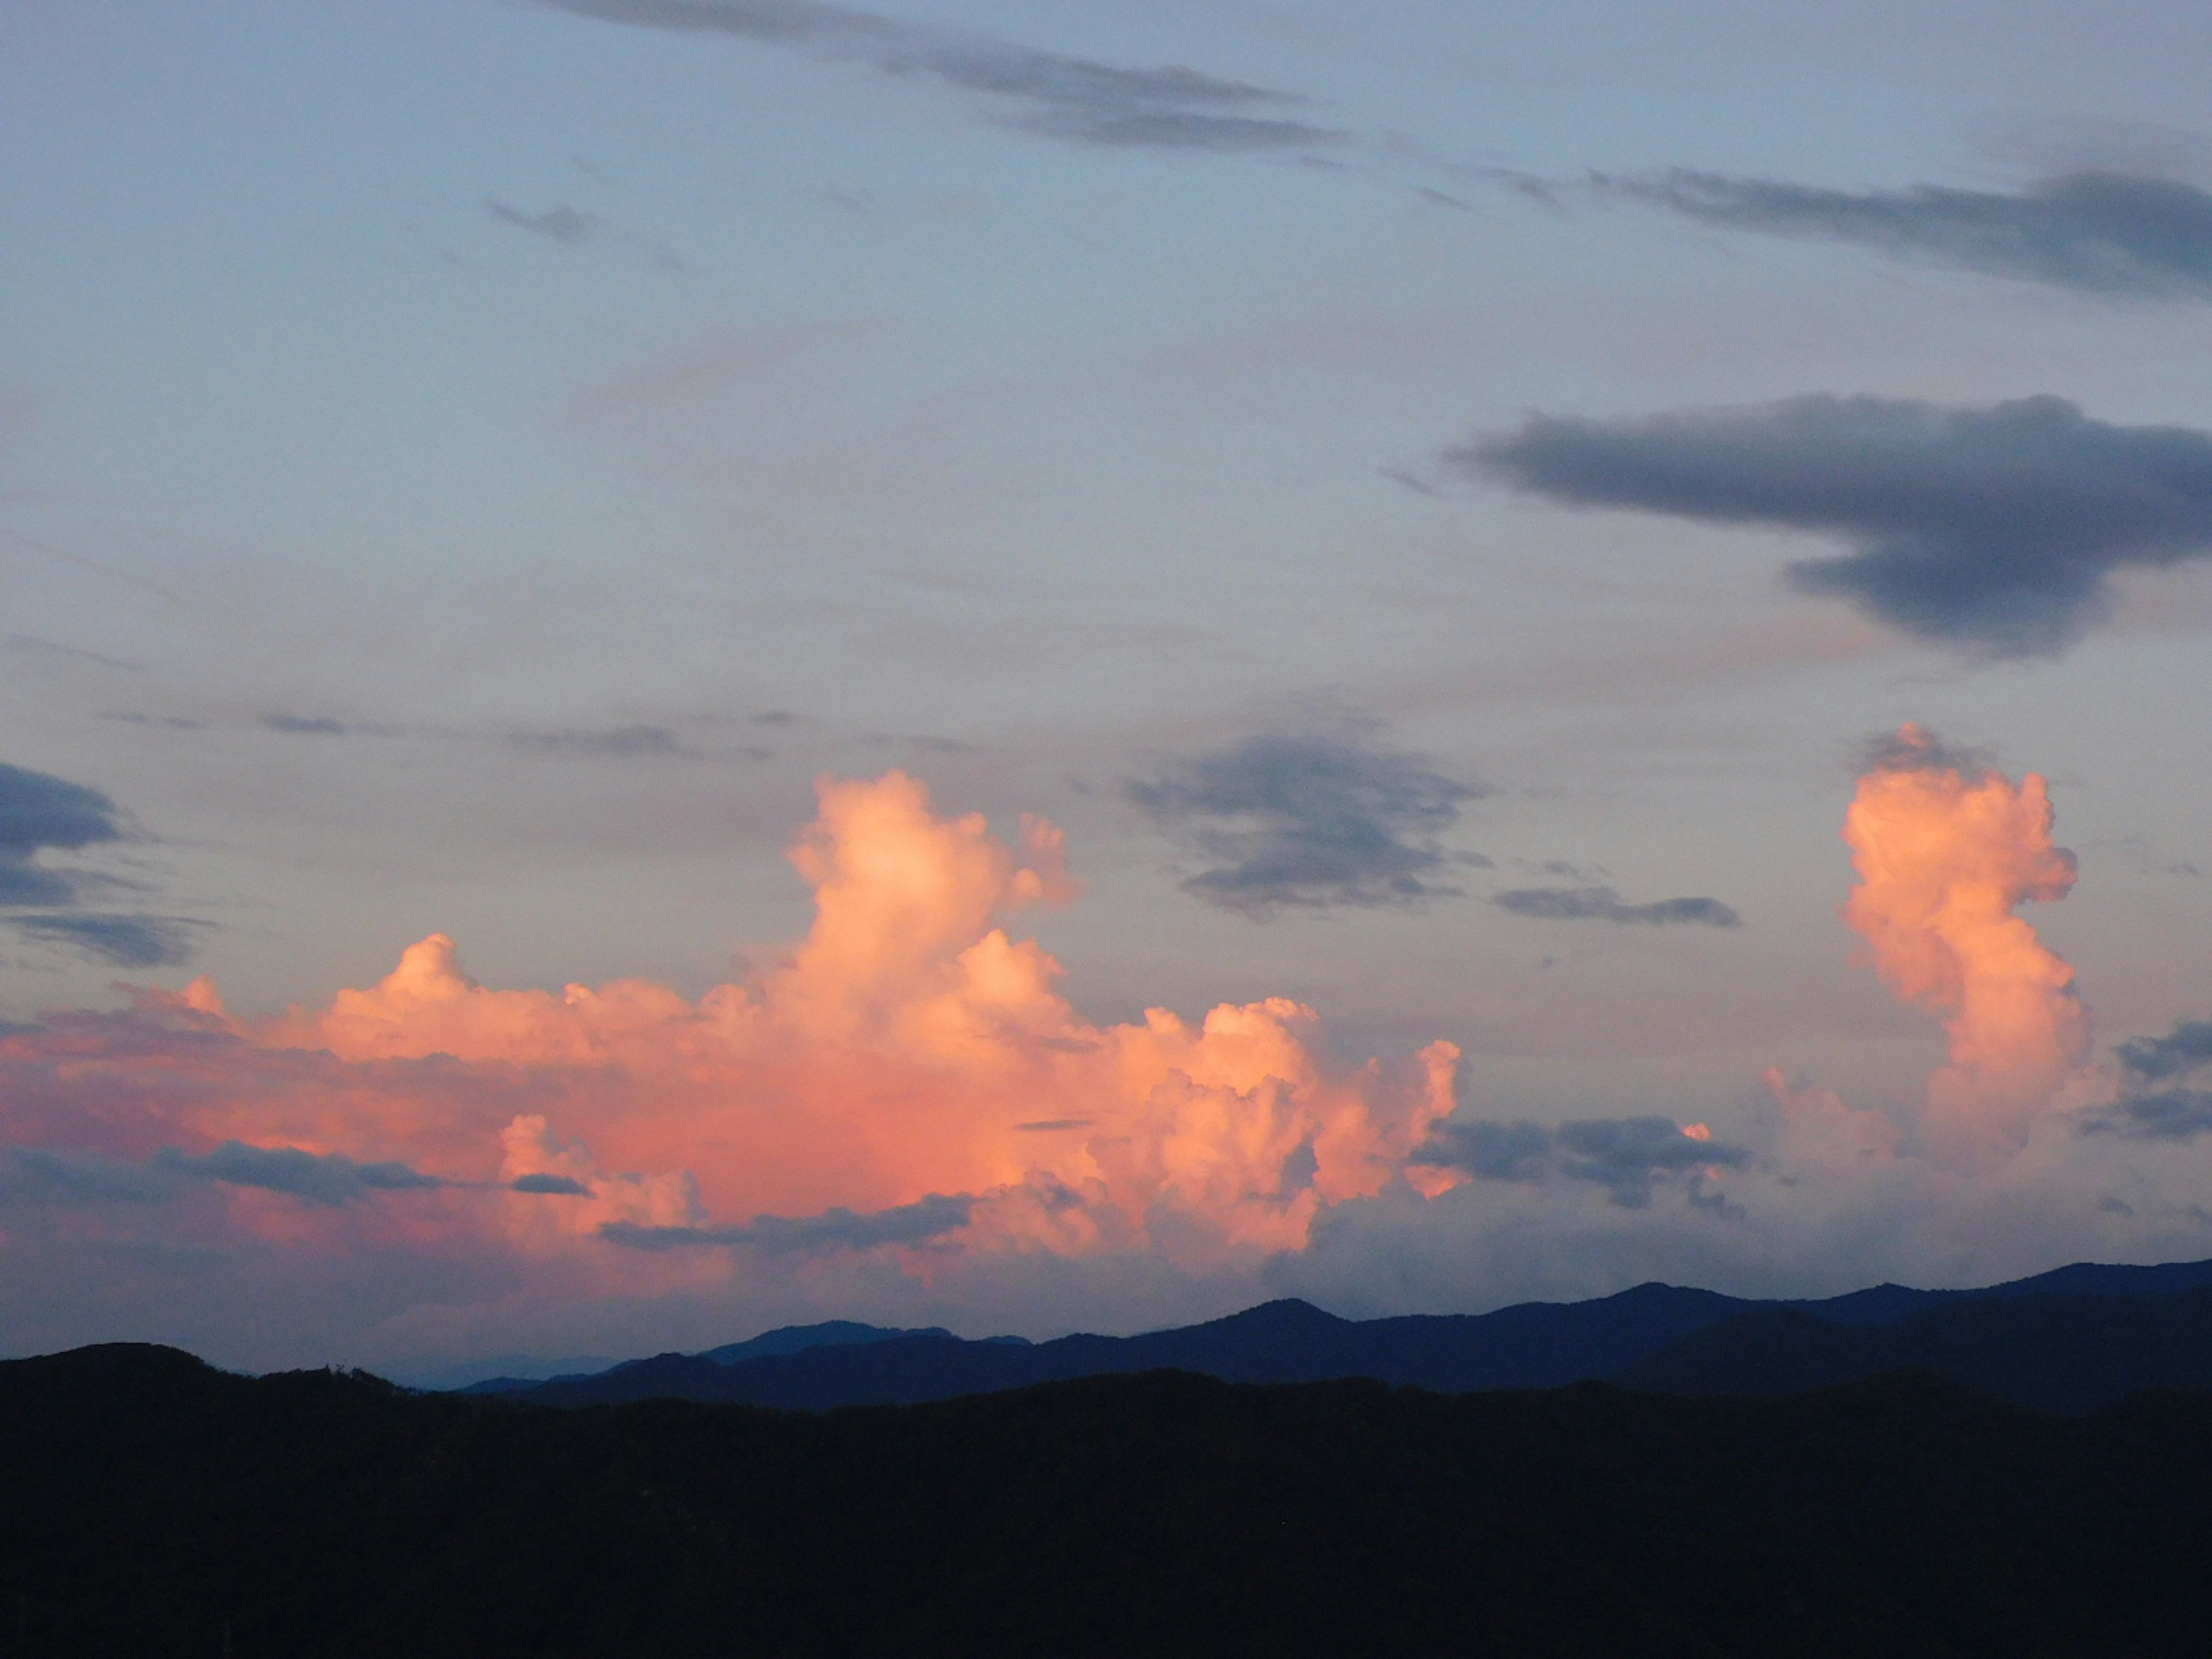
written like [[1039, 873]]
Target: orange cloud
[[1943, 860], [908, 1046]]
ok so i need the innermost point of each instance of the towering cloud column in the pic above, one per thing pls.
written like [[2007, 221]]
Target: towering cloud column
[[1945, 854]]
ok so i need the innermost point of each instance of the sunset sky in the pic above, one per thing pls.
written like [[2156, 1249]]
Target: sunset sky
[[675, 665]]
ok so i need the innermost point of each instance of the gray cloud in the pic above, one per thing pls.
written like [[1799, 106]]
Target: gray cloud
[[324, 1178], [838, 1228], [2157, 1101], [559, 223], [38, 811], [615, 742], [1917, 748], [553, 1185], [1603, 904], [1312, 820], [1075, 99], [1628, 1157], [1995, 527], [39, 1176], [2099, 232], [128, 941]]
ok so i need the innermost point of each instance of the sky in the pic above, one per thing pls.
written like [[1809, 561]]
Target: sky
[[678, 665]]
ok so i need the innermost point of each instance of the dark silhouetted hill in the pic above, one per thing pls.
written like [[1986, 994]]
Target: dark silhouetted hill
[[1533, 1346], [152, 1506], [2056, 1352]]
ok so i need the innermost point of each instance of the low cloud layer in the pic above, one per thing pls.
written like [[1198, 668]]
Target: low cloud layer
[[560, 223], [1995, 527], [1311, 820], [1604, 904], [1628, 1157], [2094, 232], [1075, 99]]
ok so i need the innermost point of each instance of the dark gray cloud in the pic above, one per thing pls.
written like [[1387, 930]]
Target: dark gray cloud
[[2183, 1049], [41, 1176], [838, 1228], [2098, 231], [1045, 93], [553, 1185], [2157, 1101], [1603, 904], [559, 223], [38, 812], [128, 941], [1312, 820], [1628, 1157], [1995, 527], [324, 1178]]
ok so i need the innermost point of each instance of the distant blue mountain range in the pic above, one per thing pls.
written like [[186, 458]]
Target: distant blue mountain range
[[2070, 1339]]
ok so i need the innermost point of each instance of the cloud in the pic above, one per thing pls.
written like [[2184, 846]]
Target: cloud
[[325, 1178], [2095, 232], [2145, 1109], [1943, 858], [1628, 1156], [1995, 527], [555, 1185], [559, 223], [128, 941], [632, 741], [1073, 98], [48, 1176], [1311, 820], [1603, 904], [835, 1229], [38, 812]]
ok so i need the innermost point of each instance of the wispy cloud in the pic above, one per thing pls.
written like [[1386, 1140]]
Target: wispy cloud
[[2095, 232], [1995, 527], [41, 813], [1078, 100], [1604, 904], [560, 223], [1333, 818], [127, 941]]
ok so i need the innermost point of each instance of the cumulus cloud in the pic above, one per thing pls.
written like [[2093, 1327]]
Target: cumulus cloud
[[1628, 1157], [1604, 904], [1995, 527], [1943, 858], [2094, 232], [1312, 820], [1075, 99]]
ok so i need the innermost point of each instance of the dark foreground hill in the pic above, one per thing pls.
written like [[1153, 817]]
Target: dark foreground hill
[[149, 1505], [2001, 1339]]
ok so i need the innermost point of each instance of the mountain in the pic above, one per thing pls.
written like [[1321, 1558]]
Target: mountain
[[1635, 1337], [150, 1504], [2055, 1353]]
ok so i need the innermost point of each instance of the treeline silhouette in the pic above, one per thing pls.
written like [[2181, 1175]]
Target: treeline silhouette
[[152, 1505]]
